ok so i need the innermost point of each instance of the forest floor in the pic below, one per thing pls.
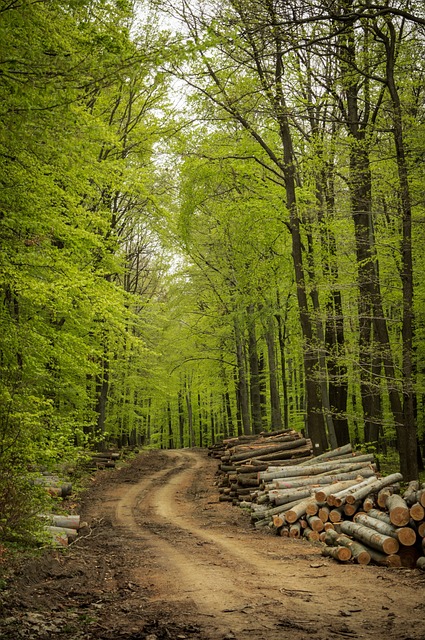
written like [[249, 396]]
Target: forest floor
[[162, 558]]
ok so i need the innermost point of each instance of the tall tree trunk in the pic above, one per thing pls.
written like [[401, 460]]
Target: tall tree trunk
[[263, 389], [242, 385], [407, 432], [276, 413], [181, 418], [170, 443], [281, 326], [254, 377]]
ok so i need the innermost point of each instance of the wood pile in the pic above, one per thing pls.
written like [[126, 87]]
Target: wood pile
[[54, 485], [337, 498], [104, 460], [62, 529], [242, 458]]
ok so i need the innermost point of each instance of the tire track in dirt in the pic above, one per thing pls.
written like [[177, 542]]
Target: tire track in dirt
[[237, 591]]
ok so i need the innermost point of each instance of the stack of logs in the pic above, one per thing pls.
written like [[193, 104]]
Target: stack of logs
[[242, 458], [62, 529], [337, 498], [104, 460]]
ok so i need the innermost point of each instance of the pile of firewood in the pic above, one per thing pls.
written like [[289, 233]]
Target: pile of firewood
[[242, 458], [337, 498], [103, 460], [62, 529]]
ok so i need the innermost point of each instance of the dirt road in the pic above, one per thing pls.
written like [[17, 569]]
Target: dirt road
[[162, 558]]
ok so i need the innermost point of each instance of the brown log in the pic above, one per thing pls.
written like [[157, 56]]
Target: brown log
[[417, 512], [373, 487], [278, 521], [405, 535], [385, 493], [392, 560], [368, 503], [312, 470], [409, 496], [299, 481], [315, 523], [421, 497], [328, 526], [323, 492], [299, 510], [370, 537], [295, 530], [351, 509], [312, 508], [342, 554], [398, 510], [323, 513], [360, 554], [421, 529], [264, 451], [292, 455], [310, 535], [335, 515], [338, 499]]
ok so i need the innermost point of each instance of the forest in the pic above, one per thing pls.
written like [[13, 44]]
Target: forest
[[211, 221]]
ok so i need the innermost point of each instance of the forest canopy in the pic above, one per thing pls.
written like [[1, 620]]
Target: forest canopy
[[211, 221]]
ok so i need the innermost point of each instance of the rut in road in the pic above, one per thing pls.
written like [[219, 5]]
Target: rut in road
[[233, 589]]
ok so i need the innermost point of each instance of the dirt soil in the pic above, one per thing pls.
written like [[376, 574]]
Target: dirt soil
[[162, 558]]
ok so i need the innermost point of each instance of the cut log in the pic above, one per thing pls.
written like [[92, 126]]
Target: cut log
[[398, 510], [288, 483], [342, 554], [417, 512], [370, 537], [421, 529], [278, 521], [392, 560], [312, 508], [339, 498], [70, 522], [315, 523], [310, 535], [323, 492], [385, 493], [336, 515], [312, 470], [409, 496], [257, 453], [323, 513], [373, 487], [360, 554], [405, 535], [298, 510], [351, 509], [420, 563], [421, 497], [295, 530], [368, 503]]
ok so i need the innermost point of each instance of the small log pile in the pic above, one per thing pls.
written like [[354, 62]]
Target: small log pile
[[62, 529], [337, 498], [104, 460], [242, 458], [54, 485]]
